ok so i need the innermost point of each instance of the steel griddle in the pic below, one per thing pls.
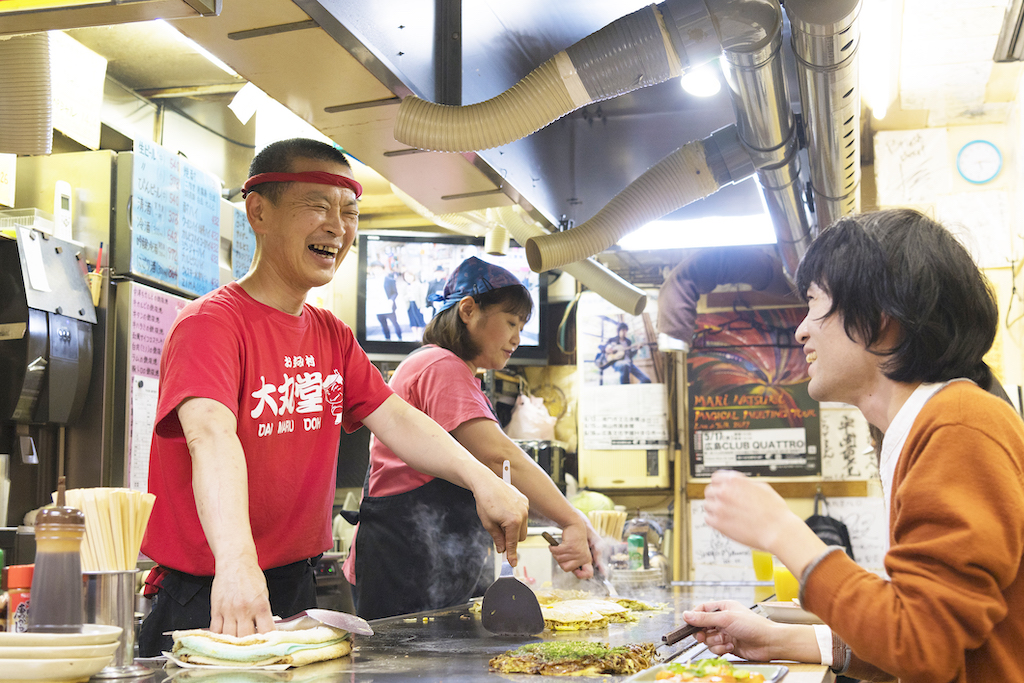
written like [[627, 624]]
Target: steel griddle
[[451, 645]]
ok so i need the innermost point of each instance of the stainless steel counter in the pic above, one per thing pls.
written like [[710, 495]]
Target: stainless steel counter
[[450, 645]]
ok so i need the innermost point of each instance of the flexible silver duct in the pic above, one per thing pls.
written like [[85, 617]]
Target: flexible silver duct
[[826, 38], [26, 109], [692, 172], [646, 47]]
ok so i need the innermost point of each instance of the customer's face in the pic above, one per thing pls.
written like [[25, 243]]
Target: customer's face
[[840, 368], [311, 227]]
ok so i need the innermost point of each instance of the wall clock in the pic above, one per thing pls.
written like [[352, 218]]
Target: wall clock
[[979, 161]]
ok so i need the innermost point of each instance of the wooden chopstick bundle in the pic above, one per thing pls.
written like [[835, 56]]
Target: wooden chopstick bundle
[[608, 523], [115, 520]]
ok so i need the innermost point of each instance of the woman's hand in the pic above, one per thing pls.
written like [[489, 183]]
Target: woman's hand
[[573, 554]]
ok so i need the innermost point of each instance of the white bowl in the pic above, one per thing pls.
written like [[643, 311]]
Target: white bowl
[[57, 651], [55, 670], [92, 634], [788, 613]]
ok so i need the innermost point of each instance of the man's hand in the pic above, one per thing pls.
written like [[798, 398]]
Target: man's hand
[[239, 602], [503, 511]]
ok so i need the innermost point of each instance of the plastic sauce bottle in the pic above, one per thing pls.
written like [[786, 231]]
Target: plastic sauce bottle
[[57, 579], [19, 586]]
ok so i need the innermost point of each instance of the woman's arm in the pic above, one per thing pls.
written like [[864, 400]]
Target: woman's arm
[[490, 445], [425, 446]]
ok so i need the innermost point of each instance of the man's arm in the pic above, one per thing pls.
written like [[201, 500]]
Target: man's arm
[[425, 446], [239, 599], [488, 444]]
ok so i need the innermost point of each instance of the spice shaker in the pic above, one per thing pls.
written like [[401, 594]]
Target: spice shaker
[[57, 579]]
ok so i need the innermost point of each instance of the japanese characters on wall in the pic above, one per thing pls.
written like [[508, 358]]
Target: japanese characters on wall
[[748, 404], [150, 316]]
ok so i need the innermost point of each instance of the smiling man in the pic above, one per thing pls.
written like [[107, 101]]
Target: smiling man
[[898, 323], [255, 386]]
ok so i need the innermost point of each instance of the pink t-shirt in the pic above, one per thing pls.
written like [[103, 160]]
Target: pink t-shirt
[[292, 382], [440, 384]]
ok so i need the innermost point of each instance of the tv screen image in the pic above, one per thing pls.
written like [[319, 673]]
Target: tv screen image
[[398, 275]]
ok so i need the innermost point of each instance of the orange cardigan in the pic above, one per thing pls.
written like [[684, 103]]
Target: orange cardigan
[[953, 608]]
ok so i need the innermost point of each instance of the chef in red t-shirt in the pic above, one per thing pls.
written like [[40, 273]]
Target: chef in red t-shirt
[[255, 386]]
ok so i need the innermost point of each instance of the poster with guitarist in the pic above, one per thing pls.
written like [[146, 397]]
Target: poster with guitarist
[[624, 401], [617, 354]]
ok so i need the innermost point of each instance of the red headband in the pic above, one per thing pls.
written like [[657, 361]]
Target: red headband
[[319, 177]]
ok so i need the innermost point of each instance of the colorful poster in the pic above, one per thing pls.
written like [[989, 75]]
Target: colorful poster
[[749, 409]]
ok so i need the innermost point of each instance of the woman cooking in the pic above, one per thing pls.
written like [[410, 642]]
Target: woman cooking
[[419, 544]]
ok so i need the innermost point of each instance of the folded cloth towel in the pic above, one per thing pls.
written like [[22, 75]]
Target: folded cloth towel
[[293, 648]]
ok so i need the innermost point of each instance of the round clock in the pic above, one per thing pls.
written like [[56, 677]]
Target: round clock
[[979, 161]]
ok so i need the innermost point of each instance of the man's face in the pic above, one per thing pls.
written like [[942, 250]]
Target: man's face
[[840, 368], [307, 234]]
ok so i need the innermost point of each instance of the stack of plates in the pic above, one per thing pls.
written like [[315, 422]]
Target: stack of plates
[[58, 657]]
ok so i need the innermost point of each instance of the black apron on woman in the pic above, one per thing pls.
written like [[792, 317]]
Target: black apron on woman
[[420, 550]]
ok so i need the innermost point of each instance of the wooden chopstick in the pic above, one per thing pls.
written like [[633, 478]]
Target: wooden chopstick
[[674, 637]]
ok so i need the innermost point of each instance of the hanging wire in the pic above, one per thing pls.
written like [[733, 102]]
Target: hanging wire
[[560, 338]]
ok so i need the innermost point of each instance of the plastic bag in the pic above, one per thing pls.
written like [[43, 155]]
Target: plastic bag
[[531, 420]]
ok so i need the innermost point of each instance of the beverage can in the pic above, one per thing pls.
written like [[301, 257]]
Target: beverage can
[[635, 551]]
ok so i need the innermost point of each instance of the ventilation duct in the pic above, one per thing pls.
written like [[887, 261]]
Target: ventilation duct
[[660, 42], [26, 106], [692, 172], [646, 47]]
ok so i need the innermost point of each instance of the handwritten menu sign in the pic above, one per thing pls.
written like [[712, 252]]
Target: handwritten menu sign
[[200, 231], [151, 314], [243, 244], [175, 220]]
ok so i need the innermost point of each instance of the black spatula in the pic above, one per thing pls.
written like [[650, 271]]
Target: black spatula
[[509, 606]]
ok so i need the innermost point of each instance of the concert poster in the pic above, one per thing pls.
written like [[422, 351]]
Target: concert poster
[[748, 404], [623, 404]]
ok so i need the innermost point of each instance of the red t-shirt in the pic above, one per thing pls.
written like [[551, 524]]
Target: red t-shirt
[[292, 383], [440, 384]]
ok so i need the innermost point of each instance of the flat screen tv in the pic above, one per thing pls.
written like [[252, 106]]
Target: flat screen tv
[[399, 273]]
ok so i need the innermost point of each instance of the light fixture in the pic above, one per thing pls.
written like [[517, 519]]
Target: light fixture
[[196, 47], [702, 81], [877, 54], [29, 16], [713, 231]]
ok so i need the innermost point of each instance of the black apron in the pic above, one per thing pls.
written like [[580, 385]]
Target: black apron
[[420, 550]]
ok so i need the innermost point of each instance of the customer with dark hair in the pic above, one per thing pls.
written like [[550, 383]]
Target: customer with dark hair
[[419, 545], [899, 320], [255, 387]]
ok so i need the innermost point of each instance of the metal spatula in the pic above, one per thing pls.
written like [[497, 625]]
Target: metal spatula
[[509, 606]]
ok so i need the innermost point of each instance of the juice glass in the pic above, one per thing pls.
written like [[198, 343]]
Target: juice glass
[[762, 565], [787, 588]]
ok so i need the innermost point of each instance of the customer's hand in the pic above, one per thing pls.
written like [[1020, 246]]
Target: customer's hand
[[731, 628]]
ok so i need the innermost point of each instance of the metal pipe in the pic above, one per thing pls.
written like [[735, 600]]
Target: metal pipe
[[751, 34], [826, 37]]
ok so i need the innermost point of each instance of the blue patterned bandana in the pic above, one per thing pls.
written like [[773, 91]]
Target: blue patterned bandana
[[473, 277]]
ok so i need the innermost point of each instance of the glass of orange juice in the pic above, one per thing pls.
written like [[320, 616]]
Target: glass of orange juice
[[762, 564], [787, 588]]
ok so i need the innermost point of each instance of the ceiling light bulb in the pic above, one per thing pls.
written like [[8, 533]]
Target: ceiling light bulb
[[701, 82]]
